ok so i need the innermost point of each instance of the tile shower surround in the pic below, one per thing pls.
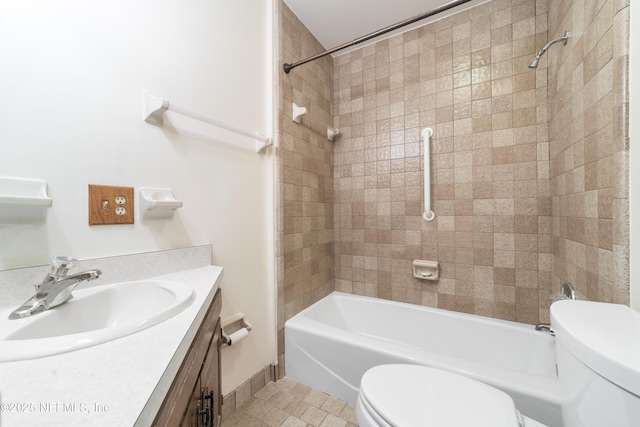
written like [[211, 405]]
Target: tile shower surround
[[497, 174], [466, 77], [588, 112], [305, 186]]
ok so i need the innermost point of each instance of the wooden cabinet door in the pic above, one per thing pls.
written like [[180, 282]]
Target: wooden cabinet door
[[191, 416], [210, 375], [178, 406]]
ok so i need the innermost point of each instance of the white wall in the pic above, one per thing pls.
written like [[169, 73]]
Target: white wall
[[72, 76], [634, 158]]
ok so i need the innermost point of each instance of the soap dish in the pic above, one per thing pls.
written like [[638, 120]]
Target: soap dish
[[157, 203], [425, 270]]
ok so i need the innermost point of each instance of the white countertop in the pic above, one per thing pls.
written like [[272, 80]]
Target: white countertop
[[118, 383]]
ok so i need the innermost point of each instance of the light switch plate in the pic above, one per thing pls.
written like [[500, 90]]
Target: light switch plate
[[110, 205]]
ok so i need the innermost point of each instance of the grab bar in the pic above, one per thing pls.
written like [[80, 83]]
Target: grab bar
[[155, 106], [428, 214]]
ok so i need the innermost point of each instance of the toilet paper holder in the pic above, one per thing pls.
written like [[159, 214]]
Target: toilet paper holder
[[233, 326]]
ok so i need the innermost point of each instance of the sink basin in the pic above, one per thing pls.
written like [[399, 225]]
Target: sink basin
[[93, 316]]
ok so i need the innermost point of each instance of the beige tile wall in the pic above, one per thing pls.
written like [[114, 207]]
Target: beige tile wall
[[588, 112], [305, 177], [466, 77], [529, 166]]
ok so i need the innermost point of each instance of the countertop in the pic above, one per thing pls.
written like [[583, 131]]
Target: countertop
[[118, 383]]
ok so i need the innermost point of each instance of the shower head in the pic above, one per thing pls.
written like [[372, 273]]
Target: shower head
[[564, 38], [534, 63]]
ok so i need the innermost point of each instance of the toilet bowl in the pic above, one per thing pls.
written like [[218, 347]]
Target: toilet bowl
[[421, 396]]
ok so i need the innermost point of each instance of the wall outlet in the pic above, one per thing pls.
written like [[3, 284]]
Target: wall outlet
[[110, 205]]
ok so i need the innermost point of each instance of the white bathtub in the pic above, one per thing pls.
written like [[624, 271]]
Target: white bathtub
[[329, 345]]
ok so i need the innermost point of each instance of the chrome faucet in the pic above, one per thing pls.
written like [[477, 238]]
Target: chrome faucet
[[567, 291], [545, 327], [55, 289]]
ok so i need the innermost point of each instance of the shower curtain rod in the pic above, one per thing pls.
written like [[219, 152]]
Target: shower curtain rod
[[444, 8]]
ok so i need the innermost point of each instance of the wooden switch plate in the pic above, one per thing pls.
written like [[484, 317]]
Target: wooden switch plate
[[110, 205]]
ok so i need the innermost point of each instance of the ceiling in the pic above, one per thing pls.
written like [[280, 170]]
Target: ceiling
[[335, 22]]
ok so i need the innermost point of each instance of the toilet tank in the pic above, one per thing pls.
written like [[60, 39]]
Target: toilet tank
[[598, 356]]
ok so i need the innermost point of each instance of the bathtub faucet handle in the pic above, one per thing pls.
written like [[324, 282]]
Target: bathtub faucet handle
[[568, 290]]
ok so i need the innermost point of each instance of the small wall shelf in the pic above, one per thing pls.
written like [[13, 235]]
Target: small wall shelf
[[157, 203], [23, 200]]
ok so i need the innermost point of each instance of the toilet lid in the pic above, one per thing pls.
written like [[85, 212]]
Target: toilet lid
[[415, 395]]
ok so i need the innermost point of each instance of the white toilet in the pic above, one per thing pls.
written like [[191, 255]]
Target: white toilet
[[420, 396], [598, 349]]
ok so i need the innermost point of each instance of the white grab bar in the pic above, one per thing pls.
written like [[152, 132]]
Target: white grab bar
[[428, 214]]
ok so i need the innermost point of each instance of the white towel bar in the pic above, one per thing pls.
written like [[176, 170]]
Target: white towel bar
[[155, 106]]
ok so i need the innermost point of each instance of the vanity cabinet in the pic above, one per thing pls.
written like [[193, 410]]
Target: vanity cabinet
[[194, 398]]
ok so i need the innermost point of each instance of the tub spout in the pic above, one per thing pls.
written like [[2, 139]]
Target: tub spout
[[545, 327]]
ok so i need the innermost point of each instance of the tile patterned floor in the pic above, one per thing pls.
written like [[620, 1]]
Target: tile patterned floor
[[287, 403]]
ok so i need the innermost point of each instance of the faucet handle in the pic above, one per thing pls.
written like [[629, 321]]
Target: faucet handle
[[568, 290], [61, 265]]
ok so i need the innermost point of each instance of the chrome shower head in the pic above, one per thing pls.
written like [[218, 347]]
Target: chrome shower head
[[534, 63], [564, 38]]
